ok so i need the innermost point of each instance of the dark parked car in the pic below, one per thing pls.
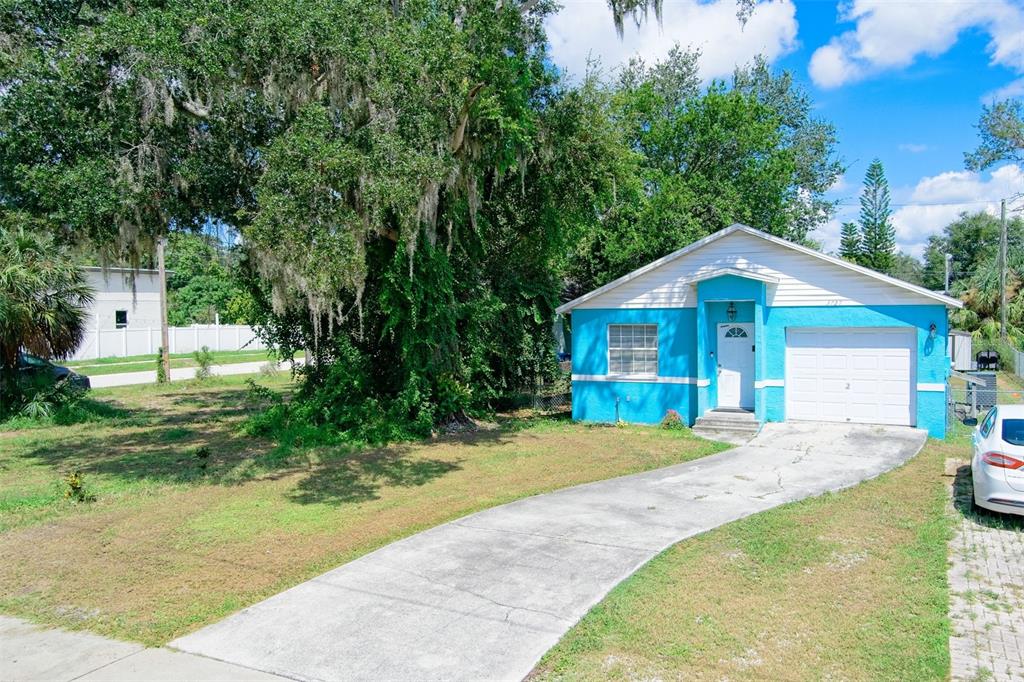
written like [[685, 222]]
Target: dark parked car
[[32, 365]]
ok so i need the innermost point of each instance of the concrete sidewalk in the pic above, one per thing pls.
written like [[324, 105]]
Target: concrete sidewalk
[[29, 653], [181, 373], [483, 597]]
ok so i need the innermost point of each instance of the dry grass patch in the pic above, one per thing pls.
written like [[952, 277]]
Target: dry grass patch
[[847, 586], [171, 543]]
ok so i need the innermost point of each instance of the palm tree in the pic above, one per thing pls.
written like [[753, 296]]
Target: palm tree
[[43, 297], [981, 297]]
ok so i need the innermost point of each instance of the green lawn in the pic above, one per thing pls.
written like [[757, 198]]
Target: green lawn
[[168, 545], [848, 586], [144, 363]]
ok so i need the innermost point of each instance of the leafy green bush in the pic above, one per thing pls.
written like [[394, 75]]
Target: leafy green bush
[[39, 398], [202, 456], [335, 408], [258, 396], [74, 487], [204, 361], [73, 412]]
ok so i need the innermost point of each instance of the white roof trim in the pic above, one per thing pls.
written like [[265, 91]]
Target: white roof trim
[[945, 300], [738, 272]]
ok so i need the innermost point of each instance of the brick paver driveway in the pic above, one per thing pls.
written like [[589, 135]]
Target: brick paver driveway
[[986, 583]]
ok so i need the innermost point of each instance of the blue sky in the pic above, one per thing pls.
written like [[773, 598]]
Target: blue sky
[[902, 80]]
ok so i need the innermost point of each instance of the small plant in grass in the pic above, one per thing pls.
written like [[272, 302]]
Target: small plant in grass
[[73, 484], [161, 371], [38, 407], [204, 361], [202, 456], [672, 421], [260, 397]]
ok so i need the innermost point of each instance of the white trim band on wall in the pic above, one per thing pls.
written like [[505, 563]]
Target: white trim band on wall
[[932, 387], [635, 379], [703, 383], [770, 383]]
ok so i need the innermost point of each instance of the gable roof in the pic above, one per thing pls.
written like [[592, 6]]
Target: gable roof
[[738, 272], [942, 298]]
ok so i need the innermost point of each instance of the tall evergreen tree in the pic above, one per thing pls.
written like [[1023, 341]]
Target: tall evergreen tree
[[850, 242], [878, 236]]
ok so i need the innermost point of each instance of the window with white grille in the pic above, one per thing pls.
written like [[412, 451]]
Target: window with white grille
[[633, 349]]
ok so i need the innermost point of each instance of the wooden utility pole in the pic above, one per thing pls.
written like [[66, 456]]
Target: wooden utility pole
[[1002, 270], [164, 335]]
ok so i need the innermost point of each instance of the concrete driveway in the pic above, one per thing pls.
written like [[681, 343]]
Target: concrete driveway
[[184, 373], [485, 596]]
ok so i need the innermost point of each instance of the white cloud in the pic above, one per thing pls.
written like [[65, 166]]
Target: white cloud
[[583, 29], [932, 203], [912, 148], [891, 35], [1008, 91], [840, 184], [937, 200], [828, 235]]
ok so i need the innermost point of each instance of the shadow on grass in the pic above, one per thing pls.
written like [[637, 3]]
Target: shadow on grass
[[359, 476], [963, 502], [194, 438]]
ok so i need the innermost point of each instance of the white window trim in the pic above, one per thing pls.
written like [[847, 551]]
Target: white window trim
[[636, 378], [639, 376]]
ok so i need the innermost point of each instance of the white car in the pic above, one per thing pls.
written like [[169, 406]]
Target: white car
[[998, 463]]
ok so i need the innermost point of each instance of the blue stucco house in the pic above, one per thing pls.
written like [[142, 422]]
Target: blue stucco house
[[742, 320]]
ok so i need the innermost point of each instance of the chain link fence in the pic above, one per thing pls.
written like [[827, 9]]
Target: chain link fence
[[965, 401], [552, 396]]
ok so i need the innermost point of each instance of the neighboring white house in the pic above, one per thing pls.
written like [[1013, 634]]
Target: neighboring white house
[[124, 320], [117, 305]]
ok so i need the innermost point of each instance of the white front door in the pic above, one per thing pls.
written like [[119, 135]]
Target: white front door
[[736, 365]]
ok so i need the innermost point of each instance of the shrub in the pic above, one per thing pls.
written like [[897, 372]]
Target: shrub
[[335, 408], [204, 361], [259, 397], [202, 456], [73, 484], [672, 421], [454, 397], [40, 399], [161, 371]]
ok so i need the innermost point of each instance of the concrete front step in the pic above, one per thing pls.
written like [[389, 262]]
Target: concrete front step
[[730, 427], [733, 436], [717, 423], [724, 415], [726, 426]]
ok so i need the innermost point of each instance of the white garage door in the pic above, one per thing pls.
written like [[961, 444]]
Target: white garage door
[[854, 374]]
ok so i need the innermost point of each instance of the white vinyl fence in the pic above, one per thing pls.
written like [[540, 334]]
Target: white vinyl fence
[[106, 343]]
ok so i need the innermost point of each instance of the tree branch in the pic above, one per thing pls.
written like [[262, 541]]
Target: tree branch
[[459, 134], [197, 110]]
